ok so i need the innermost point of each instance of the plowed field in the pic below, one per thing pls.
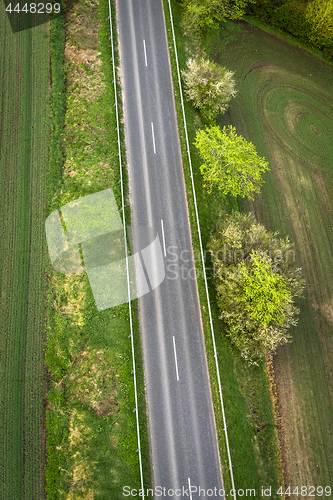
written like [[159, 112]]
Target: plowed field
[[284, 106], [23, 165]]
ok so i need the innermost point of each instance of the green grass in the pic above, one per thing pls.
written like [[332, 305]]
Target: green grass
[[290, 20], [293, 40], [23, 161], [246, 390], [284, 106], [92, 438]]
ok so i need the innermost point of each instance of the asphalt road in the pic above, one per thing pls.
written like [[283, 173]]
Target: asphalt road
[[181, 422]]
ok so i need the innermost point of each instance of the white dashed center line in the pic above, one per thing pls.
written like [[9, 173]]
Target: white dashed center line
[[144, 49], [174, 350], [163, 238], [152, 132]]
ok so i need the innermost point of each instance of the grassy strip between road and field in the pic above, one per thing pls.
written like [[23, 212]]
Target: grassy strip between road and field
[[24, 87], [91, 426], [247, 390]]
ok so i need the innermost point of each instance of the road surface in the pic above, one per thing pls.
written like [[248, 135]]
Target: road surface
[[182, 430]]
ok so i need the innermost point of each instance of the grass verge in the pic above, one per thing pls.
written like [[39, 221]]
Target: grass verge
[[247, 390], [92, 437], [288, 37]]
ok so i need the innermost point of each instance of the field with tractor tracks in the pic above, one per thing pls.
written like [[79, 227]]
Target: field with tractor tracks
[[23, 164], [284, 106]]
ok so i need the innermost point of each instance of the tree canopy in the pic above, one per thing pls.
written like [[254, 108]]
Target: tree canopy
[[319, 13], [309, 20], [209, 87], [230, 162], [257, 281], [264, 291], [200, 15]]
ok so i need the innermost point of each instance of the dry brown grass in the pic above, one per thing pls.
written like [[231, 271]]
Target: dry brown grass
[[66, 300], [83, 468], [94, 381]]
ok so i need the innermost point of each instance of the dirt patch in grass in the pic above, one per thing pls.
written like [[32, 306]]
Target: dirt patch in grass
[[327, 309], [292, 436], [94, 381], [326, 202], [69, 298]]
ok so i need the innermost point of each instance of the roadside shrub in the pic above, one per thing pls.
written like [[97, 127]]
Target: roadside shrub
[[209, 87], [257, 282]]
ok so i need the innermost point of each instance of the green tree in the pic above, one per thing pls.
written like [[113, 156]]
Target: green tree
[[200, 15], [319, 13], [230, 162], [265, 292], [209, 87], [257, 282]]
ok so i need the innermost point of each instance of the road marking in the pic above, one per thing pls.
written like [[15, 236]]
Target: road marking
[[174, 350], [144, 48], [152, 131], [163, 238], [189, 485]]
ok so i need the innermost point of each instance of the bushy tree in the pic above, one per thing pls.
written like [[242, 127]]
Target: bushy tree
[[200, 15], [230, 162], [209, 87], [256, 281]]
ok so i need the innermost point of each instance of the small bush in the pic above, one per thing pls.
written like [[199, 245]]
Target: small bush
[[209, 87]]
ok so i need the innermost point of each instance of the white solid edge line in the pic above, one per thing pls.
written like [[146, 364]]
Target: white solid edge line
[[189, 486], [163, 238], [175, 353], [202, 255], [126, 255], [152, 132], [144, 49]]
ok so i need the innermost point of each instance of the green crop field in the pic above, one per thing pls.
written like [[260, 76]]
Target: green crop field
[[284, 106], [23, 165]]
